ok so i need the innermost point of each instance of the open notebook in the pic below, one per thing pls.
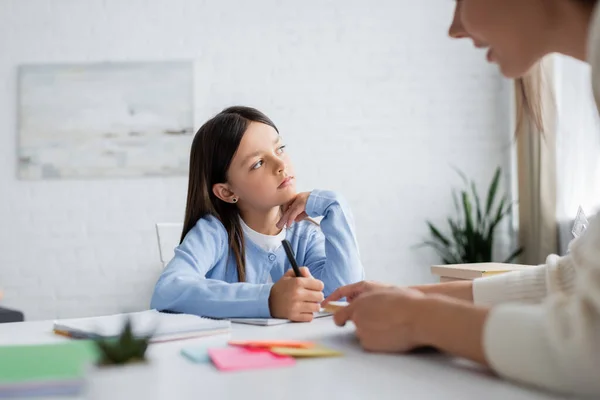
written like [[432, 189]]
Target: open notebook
[[272, 321], [163, 326]]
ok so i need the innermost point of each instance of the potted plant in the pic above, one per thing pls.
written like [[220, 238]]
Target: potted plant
[[122, 370], [471, 231]]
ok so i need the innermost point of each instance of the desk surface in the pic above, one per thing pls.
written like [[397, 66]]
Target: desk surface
[[357, 375]]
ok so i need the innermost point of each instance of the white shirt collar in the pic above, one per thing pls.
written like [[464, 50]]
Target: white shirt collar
[[268, 243]]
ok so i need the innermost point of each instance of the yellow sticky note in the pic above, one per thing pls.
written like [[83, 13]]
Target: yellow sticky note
[[310, 352], [272, 343], [334, 306]]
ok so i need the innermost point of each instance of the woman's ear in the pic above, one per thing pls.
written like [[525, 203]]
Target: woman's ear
[[223, 192]]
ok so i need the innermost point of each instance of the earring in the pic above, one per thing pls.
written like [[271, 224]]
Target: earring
[[234, 200]]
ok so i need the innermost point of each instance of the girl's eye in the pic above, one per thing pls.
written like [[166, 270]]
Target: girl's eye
[[257, 165], [280, 149]]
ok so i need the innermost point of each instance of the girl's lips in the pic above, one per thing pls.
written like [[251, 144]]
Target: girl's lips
[[285, 182]]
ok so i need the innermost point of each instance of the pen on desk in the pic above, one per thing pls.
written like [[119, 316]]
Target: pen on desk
[[75, 335], [72, 335], [290, 255]]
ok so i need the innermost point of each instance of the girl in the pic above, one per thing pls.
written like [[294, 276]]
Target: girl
[[540, 326], [241, 204]]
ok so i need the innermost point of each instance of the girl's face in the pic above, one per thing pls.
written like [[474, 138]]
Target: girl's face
[[261, 174], [513, 31]]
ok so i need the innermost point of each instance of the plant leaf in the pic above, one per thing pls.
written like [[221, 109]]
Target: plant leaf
[[480, 228], [514, 255], [457, 234], [470, 234], [492, 191], [467, 211], [455, 200], [462, 175], [443, 252], [500, 216], [437, 234]]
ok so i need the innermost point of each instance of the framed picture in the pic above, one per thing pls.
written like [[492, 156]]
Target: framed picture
[[105, 120]]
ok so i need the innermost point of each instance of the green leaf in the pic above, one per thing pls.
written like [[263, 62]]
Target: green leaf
[[470, 234], [455, 200], [514, 255], [467, 211], [492, 192], [443, 252], [462, 175], [500, 214], [477, 207], [457, 234], [437, 234], [123, 349]]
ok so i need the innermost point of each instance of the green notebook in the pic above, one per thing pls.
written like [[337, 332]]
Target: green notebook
[[47, 369]]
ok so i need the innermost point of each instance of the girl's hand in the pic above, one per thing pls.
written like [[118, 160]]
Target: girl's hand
[[386, 320], [294, 298], [294, 211]]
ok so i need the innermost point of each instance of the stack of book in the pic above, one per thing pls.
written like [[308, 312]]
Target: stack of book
[[457, 272], [45, 370]]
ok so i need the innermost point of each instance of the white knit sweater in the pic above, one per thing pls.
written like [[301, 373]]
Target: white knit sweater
[[544, 324]]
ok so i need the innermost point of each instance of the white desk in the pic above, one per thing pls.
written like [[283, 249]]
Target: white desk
[[357, 375]]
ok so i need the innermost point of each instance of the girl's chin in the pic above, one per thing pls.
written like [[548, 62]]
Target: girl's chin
[[287, 195]]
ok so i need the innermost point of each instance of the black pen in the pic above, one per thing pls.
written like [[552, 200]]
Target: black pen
[[290, 255]]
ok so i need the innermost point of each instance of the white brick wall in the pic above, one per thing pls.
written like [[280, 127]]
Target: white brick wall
[[373, 100]]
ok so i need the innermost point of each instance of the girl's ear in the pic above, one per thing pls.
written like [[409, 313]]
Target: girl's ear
[[223, 192]]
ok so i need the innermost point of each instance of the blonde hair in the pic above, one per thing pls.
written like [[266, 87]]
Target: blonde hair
[[534, 97]]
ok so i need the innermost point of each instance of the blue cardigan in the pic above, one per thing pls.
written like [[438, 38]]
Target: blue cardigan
[[202, 278]]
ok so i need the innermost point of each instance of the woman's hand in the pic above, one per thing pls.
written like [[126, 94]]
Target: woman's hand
[[294, 211], [352, 291], [386, 320], [294, 298], [402, 319], [461, 290]]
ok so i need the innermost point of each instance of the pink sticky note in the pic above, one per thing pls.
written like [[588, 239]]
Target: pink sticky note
[[238, 358]]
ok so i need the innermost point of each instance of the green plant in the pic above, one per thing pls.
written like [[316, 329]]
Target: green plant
[[126, 348], [471, 235]]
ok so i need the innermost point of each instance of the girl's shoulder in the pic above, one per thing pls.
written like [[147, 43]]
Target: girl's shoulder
[[208, 227]]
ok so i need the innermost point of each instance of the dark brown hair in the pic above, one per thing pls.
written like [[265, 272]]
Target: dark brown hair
[[213, 148]]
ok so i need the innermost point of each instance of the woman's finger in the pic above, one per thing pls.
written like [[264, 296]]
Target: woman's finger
[[344, 314], [348, 291]]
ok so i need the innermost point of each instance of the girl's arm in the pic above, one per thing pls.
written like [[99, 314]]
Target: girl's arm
[[183, 287], [333, 255]]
